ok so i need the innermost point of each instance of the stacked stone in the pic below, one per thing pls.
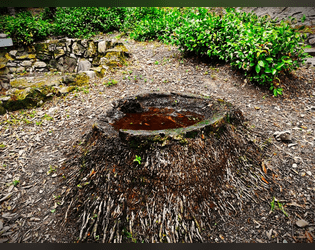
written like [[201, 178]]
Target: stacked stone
[[282, 13], [62, 55], [4, 73]]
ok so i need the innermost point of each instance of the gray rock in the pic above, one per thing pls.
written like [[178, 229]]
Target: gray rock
[[4, 85], [78, 49], [283, 136], [90, 74], [73, 56], [2, 35], [302, 223], [91, 50], [101, 47], [311, 41], [12, 70], [64, 90], [84, 65], [68, 79], [13, 53], [310, 61], [26, 63], [11, 64], [59, 53], [68, 44], [4, 98], [310, 51], [20, 69], [52, 47], [84, 42], [40, 65], [69, 64]]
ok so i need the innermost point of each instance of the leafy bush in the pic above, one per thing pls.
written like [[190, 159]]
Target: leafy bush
[[86, 21], [148, 23], [262, 49], [24, 28], [258, 46]]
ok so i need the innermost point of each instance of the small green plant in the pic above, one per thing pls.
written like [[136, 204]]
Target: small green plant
[[15, 182], [32, 115], [128, 235], [51, 169], [110, 83], [38, 123], [2, 145], [156, 62], [53, 210], [280, 206], [47, 117], [26, 121], [137, 159], [56, 197], [272, 204]]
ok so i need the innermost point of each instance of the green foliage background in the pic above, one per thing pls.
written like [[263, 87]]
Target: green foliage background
[[258, 46]]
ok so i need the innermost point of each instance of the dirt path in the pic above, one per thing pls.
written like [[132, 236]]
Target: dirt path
[[37, 143]]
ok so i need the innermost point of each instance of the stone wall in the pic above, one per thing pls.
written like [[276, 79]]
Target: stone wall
[[62, 55], [4, 72], [282, 13]]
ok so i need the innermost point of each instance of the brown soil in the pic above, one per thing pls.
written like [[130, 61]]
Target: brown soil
[[36, 146]]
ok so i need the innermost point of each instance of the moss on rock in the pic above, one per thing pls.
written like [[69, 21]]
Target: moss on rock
[[27, 98], [2, 109]]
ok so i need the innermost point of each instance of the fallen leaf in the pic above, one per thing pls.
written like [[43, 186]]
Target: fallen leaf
[[293, 204], [263, 178], [221, 237], [304, 127], [264, 167], [269, 234], [302, 223], [257, 108], [92, 172], [309, 237]]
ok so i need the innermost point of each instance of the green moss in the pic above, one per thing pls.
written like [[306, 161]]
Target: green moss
[[22, 99], [18, 83], [27, 56], [80, 80], [2, 110]]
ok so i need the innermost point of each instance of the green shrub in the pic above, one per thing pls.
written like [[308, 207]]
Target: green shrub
[[86, 21], [258, 46], [25, 28]]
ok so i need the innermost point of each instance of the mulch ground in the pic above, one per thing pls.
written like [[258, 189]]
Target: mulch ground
[[38, 142]]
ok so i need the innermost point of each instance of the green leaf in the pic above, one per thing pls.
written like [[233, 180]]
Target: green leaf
[[269, 59], [274, 71], [261, 63], [280, 66], [257, 68]]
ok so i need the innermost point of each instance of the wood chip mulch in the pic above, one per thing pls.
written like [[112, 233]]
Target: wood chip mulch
[[35, 143]]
